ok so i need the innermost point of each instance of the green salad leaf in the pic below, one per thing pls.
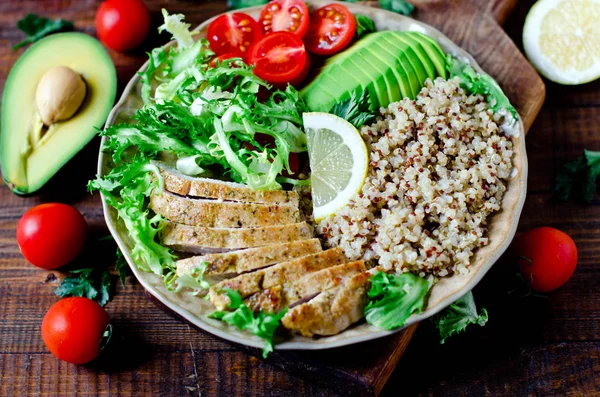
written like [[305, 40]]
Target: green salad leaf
[[400, 6], [236, 4], [392, 299], [479, 84], [36, 27], [262, 324], [364, 25], [194, 280], [579, 179], [355, 109], [456, 317], [88, 283]]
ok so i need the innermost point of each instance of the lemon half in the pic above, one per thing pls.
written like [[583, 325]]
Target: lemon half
[[562, 40], [338, 161]]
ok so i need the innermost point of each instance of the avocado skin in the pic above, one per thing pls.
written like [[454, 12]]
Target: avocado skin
[[25, 175], [391, 65]]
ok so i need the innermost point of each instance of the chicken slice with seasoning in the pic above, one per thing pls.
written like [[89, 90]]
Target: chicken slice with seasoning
[[200, 240], [184, 185], [250, 283], [214, 213]]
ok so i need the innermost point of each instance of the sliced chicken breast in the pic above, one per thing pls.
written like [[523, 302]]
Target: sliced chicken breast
[[184, 185], [332, 311], [274, 299], [250, 283], [249, 259], [197, 239], [214, 213]]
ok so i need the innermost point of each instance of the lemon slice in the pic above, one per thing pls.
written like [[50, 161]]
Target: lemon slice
[[338, 161], [562, 40]]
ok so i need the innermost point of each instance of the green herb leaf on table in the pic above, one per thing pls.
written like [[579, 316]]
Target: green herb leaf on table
[[355, 109], [262, 324], [36, 27], [364, 25], [392, 299], [579, 179], [86, 283], [479, 84], [121, 266], [236, 4], [400, 6], [456, 317]]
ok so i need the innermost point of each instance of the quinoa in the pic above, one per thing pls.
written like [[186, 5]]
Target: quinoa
[[438, 167]]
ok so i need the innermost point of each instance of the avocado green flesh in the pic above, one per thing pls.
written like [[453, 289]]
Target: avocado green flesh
[[26, 164], [391, 65]]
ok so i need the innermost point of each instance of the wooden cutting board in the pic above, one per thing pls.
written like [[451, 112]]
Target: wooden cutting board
[[364, 369]]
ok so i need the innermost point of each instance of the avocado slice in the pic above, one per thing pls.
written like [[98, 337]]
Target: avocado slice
[[31, 153], [386, 63]]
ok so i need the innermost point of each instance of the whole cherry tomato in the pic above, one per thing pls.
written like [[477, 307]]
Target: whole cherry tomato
[[122, 24]]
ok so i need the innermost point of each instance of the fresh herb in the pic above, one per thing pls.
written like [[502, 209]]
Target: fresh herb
[[354, 109], [394, 298], [578, 179], [400, 6], [88, 283], [36, 27], [236, 4], [262, 324], [364, 25], [121, 266], [480, 84], [456, 317]]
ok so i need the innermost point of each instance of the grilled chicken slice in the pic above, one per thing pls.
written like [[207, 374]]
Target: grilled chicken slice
[[201, 240], [214, 213], [250, 283], [332, 311], [274, 299], [249, 259], [184, 185]]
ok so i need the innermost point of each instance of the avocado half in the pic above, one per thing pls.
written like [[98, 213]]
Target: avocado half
[[30, 154]]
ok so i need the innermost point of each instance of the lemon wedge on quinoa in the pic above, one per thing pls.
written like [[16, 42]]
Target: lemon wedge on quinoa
[[338, 161], [562, 40]]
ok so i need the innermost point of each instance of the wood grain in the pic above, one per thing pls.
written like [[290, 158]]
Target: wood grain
[[540, 347]]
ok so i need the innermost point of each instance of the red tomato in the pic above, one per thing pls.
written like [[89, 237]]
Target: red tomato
[[288, 15], [51, 235], [72, 329], [122, 24], [220, 59], [233, 33], [330, 30], [300, 79], [547, 258], [279, 57]]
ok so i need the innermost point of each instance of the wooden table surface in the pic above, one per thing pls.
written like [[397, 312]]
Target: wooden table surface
[[531, 346]]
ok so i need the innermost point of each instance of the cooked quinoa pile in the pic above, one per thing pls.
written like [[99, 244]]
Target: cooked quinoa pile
[[438, 169]]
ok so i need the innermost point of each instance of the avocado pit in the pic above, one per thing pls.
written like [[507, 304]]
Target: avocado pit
[[59, 94]]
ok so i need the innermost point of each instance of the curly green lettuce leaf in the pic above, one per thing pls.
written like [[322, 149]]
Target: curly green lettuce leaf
[[480, 84], [179, 30], [456, 317], [194, 280], [263, 325], [392, 299], [579, 179], [36, 27]]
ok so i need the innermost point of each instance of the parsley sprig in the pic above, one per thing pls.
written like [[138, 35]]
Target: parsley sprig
[[579, 179], [36, 27], [355, 109]]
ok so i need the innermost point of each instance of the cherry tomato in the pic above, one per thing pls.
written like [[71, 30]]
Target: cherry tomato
[[233, 34], [51, 235], [300, 79], [288, 15], [221, 58], [279, 57], [122, 24], [547, 258], [72, 329], [330, 30]]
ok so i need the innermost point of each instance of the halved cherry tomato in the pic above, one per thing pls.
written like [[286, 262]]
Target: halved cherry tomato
[[300, 79], [289, 15], [330, 30], [221, 58], [279, 57], [233, 33]]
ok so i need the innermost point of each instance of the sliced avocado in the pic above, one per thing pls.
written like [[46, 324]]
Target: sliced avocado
[[31, 153], [433, 50], [385, 63]]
